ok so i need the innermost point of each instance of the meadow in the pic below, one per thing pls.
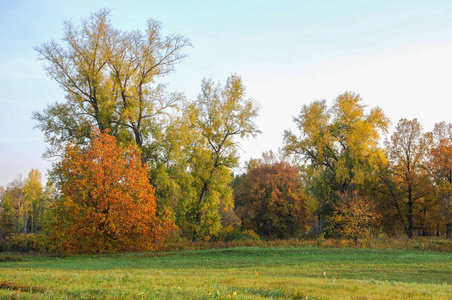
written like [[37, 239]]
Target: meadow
[[301, 272]]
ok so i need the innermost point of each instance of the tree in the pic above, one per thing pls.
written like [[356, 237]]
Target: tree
[[110, 81], [15, 209], [353, 216], [384, 191], [106, 202], [338, 145], [440, 165], [35, 199], [11, 208], [271, 201], [217, 118], [408, 149], [23, 204]]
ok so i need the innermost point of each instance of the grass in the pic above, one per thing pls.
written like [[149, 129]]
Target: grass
[[238, 273]]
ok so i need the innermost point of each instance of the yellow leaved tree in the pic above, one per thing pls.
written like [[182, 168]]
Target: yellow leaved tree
[[338, 147]]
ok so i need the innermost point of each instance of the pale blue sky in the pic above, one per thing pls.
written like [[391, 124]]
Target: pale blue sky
[[395, 54]]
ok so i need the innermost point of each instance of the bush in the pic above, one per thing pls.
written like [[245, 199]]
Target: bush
[[432, 244], [10, 257], [237, 235], [24, 243]]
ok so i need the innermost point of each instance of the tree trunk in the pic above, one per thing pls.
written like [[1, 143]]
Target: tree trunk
[[38, 214], [410, 213], [31, 214], [198, 214], [448, 230], [25, 217], [319, 223]]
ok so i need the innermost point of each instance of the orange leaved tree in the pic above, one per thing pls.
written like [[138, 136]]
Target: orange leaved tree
[[106, 202], [271, 201]]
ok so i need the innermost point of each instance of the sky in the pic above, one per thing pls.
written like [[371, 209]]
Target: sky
[[395, 54]]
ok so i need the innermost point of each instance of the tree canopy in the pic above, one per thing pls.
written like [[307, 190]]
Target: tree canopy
[[106, 201], [136, 159], [218, 119], [408, 151], [110, 79], [339, 145], [270, 200]]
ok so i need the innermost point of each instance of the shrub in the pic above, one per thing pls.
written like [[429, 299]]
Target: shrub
[[237, 235], [353, 216], [24, 243], [10, 257]]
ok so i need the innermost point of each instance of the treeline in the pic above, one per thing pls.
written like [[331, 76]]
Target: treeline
[[25, 204], [402, 185], [335, 175]]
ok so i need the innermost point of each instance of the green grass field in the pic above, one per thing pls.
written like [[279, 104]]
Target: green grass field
[[237, 273]]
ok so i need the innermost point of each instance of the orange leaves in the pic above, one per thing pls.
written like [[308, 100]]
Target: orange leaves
[[441, 159], [270, 200], [106, 203]]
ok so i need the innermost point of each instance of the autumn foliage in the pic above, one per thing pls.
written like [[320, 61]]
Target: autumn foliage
[[271, 200], [106, 201], [342, 179], [441, 169], [353, 216]]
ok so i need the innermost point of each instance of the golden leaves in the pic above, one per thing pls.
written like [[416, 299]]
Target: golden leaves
[[341, 140]]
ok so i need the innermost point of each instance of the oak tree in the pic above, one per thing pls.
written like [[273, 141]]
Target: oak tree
[[106, 201], [270, 199], [408, 150], [440, 165]]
